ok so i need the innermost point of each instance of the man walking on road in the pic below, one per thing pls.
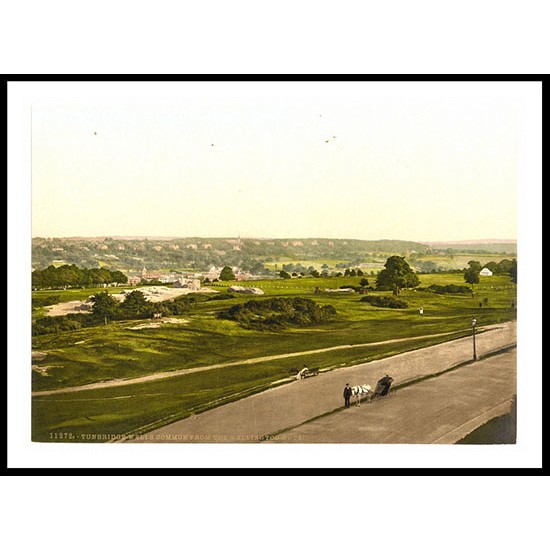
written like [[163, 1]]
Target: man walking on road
[[347, 395]]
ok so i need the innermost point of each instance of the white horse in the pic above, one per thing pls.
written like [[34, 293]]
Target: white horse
[[361, 390]]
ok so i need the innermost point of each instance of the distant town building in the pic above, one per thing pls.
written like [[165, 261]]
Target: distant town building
[[242, 275], [191, 284], [150, 275], [213, 273], [485, 272]]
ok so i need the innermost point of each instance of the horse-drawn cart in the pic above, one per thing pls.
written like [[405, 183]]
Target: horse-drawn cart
[[383, 386], [306, 372], [364, 391]]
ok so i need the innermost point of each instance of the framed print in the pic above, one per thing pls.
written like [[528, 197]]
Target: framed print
[[283, 268]]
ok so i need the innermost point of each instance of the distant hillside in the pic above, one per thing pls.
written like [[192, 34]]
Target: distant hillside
[[258, 256], [477, 246], [131, 254]]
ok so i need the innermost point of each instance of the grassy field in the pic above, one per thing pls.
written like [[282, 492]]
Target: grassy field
[[114, 352]]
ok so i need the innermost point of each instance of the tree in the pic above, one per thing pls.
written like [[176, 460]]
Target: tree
[[505, 265], [284, 275], [135, 303], [119, 277], [104, 305], [227, 274], [474, 265], [493, 267], [514, 271], [471, 276], [364, 282], [397, 274]]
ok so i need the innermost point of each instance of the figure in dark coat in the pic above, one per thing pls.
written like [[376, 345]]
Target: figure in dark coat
[[383, 386], [347, 395]]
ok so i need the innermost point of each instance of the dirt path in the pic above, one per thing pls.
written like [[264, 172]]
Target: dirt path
[[252, 418], [182, 372]]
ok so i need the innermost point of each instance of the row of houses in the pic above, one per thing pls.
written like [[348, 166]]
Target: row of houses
[[147, 276], [188, 280]]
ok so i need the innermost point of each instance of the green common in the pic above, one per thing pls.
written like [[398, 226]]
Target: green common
[[115, 351]]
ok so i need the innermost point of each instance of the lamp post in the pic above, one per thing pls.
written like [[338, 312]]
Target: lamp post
[[474, 337]]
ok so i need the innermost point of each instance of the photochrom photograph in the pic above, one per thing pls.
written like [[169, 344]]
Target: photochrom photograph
[[276, 263]]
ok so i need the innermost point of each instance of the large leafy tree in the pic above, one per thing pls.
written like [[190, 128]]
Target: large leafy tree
[[104, 306], [505, 265], [397, 274], [513, 271], [493, 267], [227, 274], [135, 304], [471, 275], [119, 277]]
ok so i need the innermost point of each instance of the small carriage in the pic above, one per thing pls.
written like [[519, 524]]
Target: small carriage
[[306, 372], [383, 386], [364, 391]]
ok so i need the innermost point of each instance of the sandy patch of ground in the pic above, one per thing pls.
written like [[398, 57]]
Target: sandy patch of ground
[[161, 293], [152, 293], [159, 323], [65, 308], [38, 355], [41, 370]]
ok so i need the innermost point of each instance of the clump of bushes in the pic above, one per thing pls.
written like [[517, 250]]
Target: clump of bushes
[[43, 301], [449, 289], [278, 313], [62, 323], [227, 296], [385, 301]]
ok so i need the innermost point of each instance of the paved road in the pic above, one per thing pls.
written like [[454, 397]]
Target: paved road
[[287, 406], [439, 410]]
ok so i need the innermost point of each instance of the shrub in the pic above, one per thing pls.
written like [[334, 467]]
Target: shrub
[[43, 301], [449, 289], [227, 296], [385, 301], [52, 325], [278, 313]]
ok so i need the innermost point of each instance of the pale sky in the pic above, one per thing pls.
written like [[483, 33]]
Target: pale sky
[[404, 160]]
